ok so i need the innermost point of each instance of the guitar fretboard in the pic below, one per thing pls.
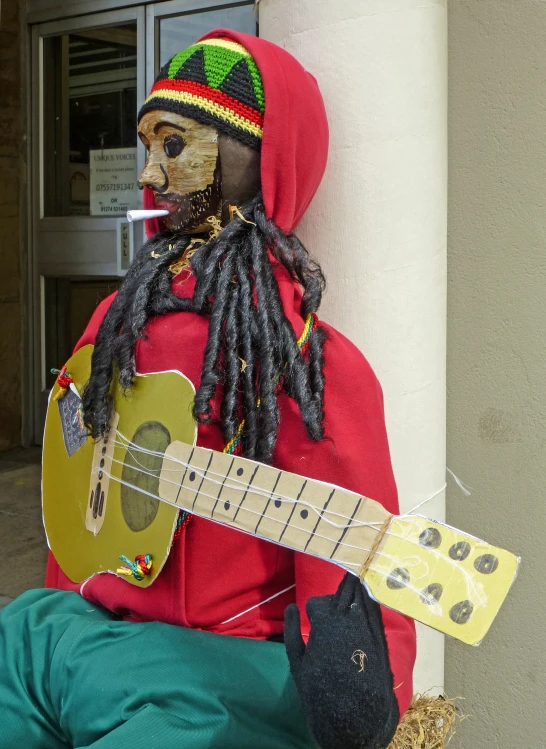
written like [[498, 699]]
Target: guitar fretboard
[[424, 569], [302, 514]]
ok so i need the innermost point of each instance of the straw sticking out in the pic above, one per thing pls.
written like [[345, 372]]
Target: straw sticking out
[[142, 215], [429, 723]]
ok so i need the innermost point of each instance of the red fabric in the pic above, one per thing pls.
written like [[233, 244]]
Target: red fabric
[[201, 589], [214, 573], [295, 139]]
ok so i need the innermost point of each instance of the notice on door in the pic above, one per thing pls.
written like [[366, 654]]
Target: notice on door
[[113, 181]]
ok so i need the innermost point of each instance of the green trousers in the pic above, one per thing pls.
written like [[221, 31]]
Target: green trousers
[[71, 675]]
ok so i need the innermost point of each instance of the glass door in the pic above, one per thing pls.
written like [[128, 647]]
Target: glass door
[[88, 83], [173, 25], [90, 77]]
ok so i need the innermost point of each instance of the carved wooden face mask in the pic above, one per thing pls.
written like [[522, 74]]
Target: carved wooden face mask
[[194, 171], [182, 169]]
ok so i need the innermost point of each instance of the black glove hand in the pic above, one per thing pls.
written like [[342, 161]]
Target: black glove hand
[[343, 676]]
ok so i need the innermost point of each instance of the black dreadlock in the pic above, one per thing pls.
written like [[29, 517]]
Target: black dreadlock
[[236, 288]]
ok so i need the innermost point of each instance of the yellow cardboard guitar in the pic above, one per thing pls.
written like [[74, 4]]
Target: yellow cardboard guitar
[[121, 495]]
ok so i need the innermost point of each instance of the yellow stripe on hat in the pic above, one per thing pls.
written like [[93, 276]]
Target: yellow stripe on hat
[[226, 44], [210, 106]]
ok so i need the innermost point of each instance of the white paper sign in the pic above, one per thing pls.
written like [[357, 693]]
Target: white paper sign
[[113, 181]]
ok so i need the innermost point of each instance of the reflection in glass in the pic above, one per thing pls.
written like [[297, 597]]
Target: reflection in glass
[[178, 32], [89, 86], [68, 306]]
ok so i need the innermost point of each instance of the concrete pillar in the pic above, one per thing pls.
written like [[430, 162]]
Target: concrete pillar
[[378, 224]]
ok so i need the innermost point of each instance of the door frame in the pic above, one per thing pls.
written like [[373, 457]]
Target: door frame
[[34, 313]]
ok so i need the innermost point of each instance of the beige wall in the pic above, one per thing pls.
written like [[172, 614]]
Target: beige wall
[[11, 165], [496, 349]]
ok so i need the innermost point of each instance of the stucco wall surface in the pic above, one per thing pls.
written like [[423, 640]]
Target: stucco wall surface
[[378, 222], [496, 349]]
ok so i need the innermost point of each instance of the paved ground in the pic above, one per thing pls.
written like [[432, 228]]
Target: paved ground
[[22, 537]]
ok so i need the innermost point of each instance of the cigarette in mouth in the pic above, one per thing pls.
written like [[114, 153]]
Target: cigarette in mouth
[[141, 215]]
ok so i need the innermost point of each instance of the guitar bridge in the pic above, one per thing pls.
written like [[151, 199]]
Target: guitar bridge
[[101, 469]]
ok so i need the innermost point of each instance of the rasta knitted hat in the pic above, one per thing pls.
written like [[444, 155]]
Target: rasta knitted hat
[[216, 82]]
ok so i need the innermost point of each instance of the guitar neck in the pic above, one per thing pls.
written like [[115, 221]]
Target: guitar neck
[[309, 516]]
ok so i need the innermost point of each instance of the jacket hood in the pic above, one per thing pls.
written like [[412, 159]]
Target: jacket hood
[[295, 133]]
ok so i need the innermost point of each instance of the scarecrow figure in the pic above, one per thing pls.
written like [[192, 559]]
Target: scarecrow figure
[[239, 643]]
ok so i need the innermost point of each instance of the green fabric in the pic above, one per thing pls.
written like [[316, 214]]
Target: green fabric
[[72, 675]]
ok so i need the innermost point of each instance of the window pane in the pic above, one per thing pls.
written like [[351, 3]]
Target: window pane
[[89, 94], [178, 32]]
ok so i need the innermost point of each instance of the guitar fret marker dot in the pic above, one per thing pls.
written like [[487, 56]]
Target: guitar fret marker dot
[[278, 503], [227, 505], [304, 514], [103, 451], [192, 476], [101, 464], [240, 472]]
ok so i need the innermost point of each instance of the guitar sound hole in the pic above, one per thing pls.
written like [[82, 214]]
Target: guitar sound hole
[[140, 475]]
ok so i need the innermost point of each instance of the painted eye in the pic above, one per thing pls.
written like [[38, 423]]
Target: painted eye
[[173, 146]]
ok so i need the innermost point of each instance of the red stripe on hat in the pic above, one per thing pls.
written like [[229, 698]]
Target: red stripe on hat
[[212, 94]]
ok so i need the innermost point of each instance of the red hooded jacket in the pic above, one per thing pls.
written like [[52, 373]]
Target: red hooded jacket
[[194, 590]]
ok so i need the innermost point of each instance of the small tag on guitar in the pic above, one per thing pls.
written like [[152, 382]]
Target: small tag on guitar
[[74, 430]]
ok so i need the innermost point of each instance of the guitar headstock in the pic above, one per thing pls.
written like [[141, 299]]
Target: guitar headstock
[[440, 576]]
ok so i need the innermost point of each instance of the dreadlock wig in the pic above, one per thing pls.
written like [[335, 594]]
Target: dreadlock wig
[[251, 352]]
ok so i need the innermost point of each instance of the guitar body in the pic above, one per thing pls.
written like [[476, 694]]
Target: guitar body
[[95, 513]]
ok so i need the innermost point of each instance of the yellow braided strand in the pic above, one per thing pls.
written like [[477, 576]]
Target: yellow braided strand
[[306, 328], [234, 439], [226, 44]]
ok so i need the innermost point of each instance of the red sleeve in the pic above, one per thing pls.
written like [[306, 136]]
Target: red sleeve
[[355, 455]]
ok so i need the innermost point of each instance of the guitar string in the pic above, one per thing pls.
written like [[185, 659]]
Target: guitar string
[[149, 494], [470, 581], [266, 494], [244, 508], [260, 491], [164, 457], [346, 564], [419, 592]]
